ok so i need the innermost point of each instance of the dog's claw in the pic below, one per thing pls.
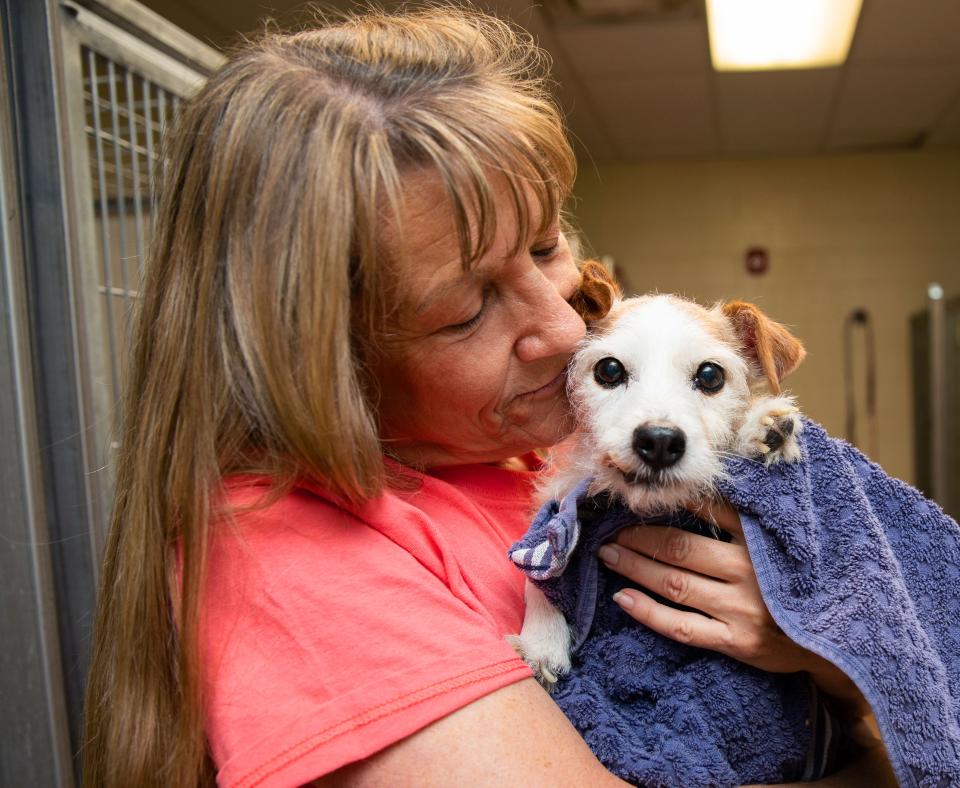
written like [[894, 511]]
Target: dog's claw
[[788, 410], [545, 670]]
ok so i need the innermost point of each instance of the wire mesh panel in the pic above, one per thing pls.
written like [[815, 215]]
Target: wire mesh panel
[[125, 75], [125, 114]]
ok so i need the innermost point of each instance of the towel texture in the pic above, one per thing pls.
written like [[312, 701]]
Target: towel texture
[[853, 565]]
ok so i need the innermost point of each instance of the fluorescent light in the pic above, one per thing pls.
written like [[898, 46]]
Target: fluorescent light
[[760, 35]]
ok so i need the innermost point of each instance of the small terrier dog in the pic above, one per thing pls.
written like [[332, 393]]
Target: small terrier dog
[[663, 389]]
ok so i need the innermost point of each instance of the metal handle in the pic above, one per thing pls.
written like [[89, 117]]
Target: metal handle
[[938, 393]]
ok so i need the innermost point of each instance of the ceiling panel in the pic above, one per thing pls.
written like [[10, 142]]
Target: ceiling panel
[[636, 47], [775, 111], [891, 104], [898, 30], [586, 126], [658, 116], [589, 138], [645, 88], [203, 21]]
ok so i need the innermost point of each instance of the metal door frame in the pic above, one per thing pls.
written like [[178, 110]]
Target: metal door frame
[[56, 460]]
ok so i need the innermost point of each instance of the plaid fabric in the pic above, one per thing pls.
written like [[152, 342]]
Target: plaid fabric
[[541, 558]]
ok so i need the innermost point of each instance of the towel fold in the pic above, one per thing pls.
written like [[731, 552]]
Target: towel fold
[[853, 565]]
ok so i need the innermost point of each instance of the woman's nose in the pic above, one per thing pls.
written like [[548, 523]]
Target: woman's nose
[[549, 325]]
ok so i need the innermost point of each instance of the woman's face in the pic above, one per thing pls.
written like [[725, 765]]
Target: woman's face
[[472, 369]]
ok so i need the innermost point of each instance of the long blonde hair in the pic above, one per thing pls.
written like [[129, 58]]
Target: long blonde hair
[[263, 293]]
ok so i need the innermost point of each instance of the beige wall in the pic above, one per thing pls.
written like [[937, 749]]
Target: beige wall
[[867, 230]]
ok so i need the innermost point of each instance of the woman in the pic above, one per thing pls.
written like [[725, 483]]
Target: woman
[[352, 335]]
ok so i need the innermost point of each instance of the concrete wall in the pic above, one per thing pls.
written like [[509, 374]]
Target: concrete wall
[[867, 230]]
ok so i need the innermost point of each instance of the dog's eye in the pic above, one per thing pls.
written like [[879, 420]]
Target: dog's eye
[[709, 377], [609, 372]]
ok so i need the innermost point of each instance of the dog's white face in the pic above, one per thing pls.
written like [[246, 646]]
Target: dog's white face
[[660, 391]]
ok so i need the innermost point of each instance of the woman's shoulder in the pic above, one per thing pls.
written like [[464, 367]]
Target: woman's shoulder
[[281, 556], [254, 517], [304, 531], [456, 522], [255, 501], [447, 536], [467, 498]]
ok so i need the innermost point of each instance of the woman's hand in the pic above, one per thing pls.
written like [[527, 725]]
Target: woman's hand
[[718, 580]]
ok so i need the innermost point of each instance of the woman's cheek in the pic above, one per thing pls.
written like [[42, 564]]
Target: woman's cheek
[[460, 373]]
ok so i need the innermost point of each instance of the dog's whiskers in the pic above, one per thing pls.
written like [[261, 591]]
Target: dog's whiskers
[[735, 456]]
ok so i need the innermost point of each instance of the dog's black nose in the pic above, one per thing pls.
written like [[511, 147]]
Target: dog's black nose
[[659, 447]]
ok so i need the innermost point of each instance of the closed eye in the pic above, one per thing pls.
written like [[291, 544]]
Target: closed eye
[[547, 251], [466, 325]]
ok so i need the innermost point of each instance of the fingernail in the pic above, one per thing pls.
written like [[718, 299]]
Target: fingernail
[[624, 600], [609, 554]]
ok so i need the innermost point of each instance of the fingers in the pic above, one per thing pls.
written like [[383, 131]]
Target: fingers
[[751, 639], [684, 588], [719, 513], [689, 628], [674, 546], [716, 579]]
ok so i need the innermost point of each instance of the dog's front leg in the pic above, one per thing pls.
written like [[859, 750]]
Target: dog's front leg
[[544, 641]]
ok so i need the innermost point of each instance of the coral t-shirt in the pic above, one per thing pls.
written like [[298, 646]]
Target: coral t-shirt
[[329, 633]]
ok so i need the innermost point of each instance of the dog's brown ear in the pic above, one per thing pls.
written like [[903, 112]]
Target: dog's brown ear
[[597, 292], [774, 351]]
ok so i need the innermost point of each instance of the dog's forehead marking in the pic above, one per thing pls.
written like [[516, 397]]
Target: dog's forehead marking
[[712, 320], [663, 319]]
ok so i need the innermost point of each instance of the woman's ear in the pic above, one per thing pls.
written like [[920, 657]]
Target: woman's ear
[[597, 292], [772, 349]]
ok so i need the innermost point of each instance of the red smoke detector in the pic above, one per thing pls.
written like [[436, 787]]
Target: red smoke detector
[[757, 260]]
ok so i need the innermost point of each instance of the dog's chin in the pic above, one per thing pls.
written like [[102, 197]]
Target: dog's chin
[[656, 480], [647, 492]]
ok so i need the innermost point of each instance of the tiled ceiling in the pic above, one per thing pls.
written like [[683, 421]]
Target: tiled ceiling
[[640, 85]]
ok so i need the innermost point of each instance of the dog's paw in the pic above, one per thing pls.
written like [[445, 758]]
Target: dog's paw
[[770, 430], [549, 660]]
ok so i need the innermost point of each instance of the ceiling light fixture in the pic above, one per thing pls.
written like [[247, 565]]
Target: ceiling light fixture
[[762, 35]]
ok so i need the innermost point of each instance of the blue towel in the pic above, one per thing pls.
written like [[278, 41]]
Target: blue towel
[[853, 565]]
